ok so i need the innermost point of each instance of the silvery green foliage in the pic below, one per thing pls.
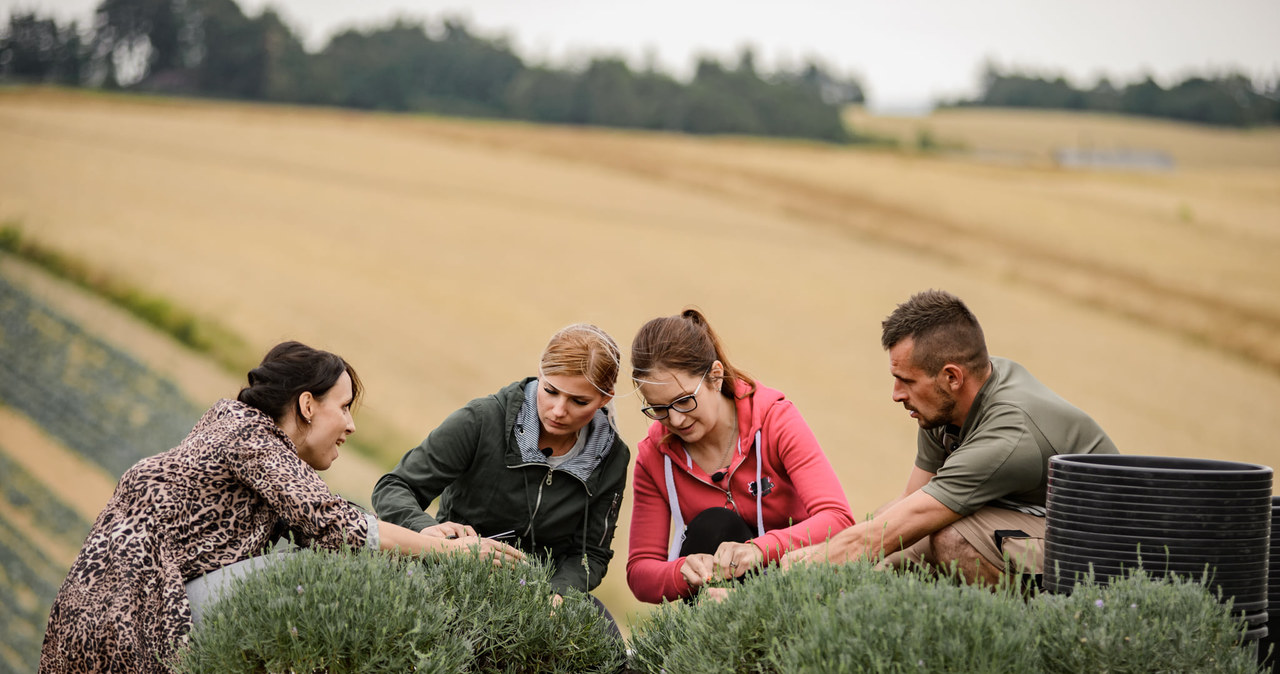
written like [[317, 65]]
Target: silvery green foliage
[[851, 618], [359, 611]]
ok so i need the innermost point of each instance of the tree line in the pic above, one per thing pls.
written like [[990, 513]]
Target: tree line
[[1229, 99], [211, 48]]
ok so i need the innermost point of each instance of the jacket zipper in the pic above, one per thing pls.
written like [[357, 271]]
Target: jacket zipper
[[538, 502], [612, 508]]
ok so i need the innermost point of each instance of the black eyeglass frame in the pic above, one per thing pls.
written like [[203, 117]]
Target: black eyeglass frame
[[652, 411]]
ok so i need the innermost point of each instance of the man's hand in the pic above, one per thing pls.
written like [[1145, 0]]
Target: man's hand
[[806, 555], [734, 559]]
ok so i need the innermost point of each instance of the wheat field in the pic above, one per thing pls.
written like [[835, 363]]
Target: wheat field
[[439, 255]]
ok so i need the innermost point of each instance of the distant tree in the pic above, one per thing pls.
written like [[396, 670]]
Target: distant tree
[[832, 89], [541, 95], [606, 95], [1142, 98], [211, 47], [1229, 99], [1104, 96], [156, 33], [33, 49]]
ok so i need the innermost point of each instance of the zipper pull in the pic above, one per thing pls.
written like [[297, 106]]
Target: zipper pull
[[728, 501], [549, 478]]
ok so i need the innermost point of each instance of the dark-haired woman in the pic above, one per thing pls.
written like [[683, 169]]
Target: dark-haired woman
[[728, 464], [213, 501]]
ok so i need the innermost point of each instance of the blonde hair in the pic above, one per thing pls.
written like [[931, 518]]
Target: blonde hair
[[583, 350]]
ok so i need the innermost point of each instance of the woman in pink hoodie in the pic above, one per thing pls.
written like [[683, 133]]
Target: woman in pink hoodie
[[729, 465]]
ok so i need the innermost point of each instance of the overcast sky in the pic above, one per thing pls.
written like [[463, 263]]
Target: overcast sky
[[906, 53]]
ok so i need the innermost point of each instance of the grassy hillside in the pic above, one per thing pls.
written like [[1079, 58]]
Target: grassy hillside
[[439, 255]]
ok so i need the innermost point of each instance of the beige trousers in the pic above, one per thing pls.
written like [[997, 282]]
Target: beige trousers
[[1023, 553]]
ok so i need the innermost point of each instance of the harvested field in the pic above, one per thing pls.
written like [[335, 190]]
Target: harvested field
[[439, 255]]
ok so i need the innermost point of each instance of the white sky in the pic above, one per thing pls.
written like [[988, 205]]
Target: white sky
[[905, 52]]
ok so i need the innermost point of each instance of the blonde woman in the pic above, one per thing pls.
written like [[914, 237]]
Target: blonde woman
[[539, 463]]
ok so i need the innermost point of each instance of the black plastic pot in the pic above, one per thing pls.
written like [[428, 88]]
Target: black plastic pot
[[1230, 491], [1197, 517], [1176, 469], [1271, 640], [1150, 555], [1202, 519], [1257, 545], [1171, 502]]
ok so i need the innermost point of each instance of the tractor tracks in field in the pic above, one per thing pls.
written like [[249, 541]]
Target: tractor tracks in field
[[1215, 320]]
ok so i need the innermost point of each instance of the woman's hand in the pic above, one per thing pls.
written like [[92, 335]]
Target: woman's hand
[[501, 553], [734, 559], [716, 594], [449, 530], [698, 569]]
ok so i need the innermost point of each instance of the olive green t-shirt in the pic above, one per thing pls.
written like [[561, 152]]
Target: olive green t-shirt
[[1000, 456]]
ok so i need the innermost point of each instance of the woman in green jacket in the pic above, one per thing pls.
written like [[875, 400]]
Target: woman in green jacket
[[539, 461]]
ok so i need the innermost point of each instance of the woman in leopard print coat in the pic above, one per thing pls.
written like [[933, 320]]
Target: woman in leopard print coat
[[212, 501]]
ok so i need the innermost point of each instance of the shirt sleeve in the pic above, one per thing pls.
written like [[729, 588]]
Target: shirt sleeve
[[650, 576], [816, 485], [999, 458], [402, 496], [930, 453], [297, 493]]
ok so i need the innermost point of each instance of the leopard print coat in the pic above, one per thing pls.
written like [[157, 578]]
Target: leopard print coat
[[211, 501]]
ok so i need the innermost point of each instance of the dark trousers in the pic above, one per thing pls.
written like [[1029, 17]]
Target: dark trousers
[[710, 528]]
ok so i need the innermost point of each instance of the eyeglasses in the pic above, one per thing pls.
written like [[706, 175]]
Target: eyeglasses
[[683, 404]]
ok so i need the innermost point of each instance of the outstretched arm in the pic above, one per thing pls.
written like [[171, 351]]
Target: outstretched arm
[[406, 541], [899, 526]]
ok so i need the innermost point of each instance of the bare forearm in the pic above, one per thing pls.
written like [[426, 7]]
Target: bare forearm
[[394, 536], [897, 526]]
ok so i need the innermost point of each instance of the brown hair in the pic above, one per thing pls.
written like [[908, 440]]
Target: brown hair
[[583, 350], [287, 371], [943, 329], [684, 343]]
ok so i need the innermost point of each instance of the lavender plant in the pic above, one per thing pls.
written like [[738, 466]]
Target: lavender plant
[[358, 611]]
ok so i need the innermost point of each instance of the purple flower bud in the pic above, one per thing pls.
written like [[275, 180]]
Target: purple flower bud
[[299, 589], [522, 581], [293, 631], [1098, 603]]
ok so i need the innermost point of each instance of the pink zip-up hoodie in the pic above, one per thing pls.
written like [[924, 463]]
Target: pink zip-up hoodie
[[803, 502]]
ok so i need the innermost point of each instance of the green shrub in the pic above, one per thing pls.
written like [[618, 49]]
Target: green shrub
[[374, 612], [1140, 624], [851, 618]]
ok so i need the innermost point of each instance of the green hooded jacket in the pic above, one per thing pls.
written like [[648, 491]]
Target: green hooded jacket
[[474, 463]]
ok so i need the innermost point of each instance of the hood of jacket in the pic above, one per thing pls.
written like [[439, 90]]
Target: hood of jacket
[[752, 407]]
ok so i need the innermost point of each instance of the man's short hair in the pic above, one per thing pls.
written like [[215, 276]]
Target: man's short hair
[[943, 329]]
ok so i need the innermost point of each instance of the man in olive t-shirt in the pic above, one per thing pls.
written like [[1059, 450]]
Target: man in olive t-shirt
[[976, 495]]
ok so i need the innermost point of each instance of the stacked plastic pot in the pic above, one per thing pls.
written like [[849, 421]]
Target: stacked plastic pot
[[1270, 644], [1112, 513]]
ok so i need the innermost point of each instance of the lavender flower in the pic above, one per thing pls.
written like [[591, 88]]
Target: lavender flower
[[1098, 603], [299, 589]]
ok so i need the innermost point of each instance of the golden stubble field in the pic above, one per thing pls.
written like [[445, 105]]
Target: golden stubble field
[[439, 255]]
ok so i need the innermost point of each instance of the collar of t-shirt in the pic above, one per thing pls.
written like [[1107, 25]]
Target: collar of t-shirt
[[555, 461]]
